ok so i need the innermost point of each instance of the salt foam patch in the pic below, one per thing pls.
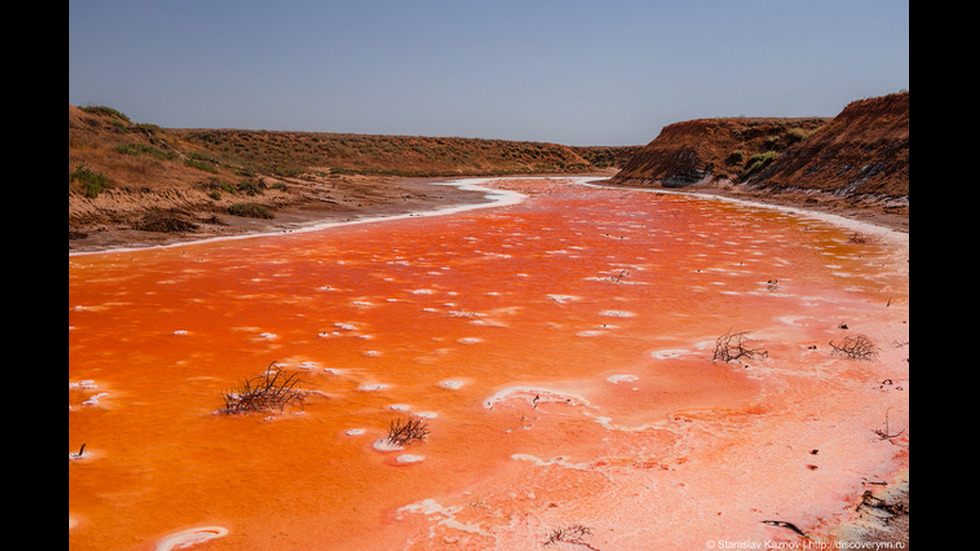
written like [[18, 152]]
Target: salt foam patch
[[669, 353], [451, 384], [534, 396], [617, 314], [562, 299], [446, 515], [407, 459], [188, 538]]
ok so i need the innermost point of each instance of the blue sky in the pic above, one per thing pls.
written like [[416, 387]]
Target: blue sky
[[606, 72]]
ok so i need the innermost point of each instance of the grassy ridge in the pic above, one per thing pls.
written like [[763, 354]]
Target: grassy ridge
[[290, 153], [124, 174], [103, 141]]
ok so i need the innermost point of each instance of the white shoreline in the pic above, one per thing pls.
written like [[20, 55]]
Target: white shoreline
[[497, 198], [857, 225]]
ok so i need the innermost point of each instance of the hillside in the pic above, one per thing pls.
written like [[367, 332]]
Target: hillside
[[856, 162], [137, 184], [291, 153], [861, 153], [705, 150]]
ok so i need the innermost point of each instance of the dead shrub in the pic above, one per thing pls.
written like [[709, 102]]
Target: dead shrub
[[406, 431], [732, 346], [575, 534], [165, 222], [863, 238], [856, 347], [271, 391]]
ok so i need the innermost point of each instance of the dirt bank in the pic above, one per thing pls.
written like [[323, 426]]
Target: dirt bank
[[855, 164], [878, 213], [352, 198]]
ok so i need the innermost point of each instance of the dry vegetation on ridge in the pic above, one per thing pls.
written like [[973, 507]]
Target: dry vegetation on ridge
[[133, 184], [138, 184]]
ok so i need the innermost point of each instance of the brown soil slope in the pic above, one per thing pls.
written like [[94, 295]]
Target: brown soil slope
[[701, 150], [139, 184], [856, 163], [863, 153]]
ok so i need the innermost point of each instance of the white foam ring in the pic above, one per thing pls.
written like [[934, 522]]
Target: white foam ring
[[407, 459], [534, 396], [669, 353], [188, 538]]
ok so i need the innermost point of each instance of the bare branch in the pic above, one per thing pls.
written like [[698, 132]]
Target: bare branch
[[884, 433], [574, 534], [732, 346], [857, 347], [271, 391], [406, 431]]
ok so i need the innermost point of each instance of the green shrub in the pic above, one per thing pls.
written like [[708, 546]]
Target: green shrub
[[120, 126], [201, 165], [138, 149], [797, 135], [286, 171], [759, 161], [251, 186], [92, 182], [106, 111], [250, 210], [149, 128]]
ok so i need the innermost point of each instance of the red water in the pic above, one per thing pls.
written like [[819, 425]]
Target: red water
[[560, 350]]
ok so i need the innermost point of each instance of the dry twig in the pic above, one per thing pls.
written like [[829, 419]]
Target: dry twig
[[574, 534], [857, 347], [787, 525], [732, 346], [406, 431], [273, 390], [884, 433]]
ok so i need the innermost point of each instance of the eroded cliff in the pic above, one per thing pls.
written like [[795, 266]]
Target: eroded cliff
[[861, 155]]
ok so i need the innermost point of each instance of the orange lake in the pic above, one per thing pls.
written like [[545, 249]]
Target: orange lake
[[559, 348]]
